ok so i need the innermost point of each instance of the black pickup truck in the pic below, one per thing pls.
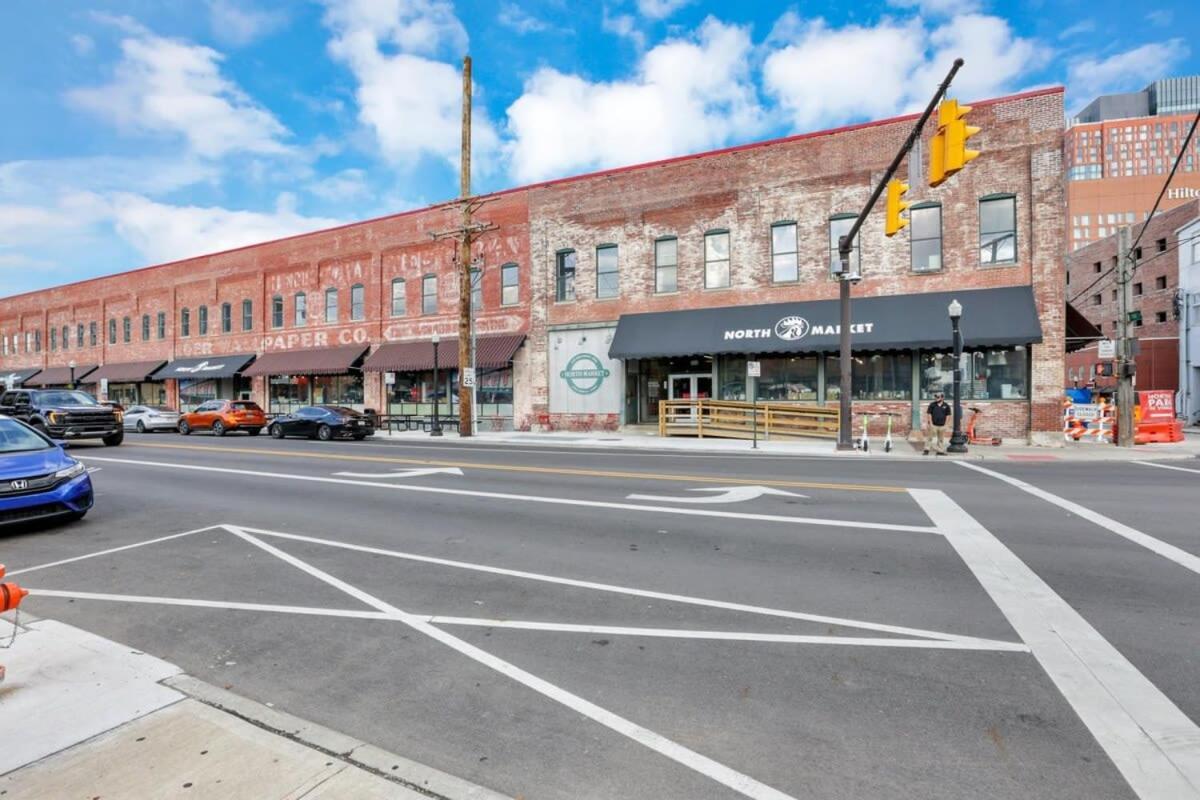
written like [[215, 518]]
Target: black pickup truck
[[64, 414]]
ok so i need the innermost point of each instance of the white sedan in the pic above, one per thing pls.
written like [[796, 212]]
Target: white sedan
[[145, 419]]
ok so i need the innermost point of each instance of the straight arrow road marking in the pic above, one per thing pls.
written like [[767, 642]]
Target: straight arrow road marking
[[729, 494], [411, 473]]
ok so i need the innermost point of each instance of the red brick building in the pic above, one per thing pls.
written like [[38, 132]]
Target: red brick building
[[1092, 290], [589, 287]]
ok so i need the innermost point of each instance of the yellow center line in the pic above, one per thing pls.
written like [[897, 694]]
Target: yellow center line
[[589, 473]]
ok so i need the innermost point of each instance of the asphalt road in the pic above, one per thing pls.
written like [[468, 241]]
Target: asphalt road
[[529, 626]]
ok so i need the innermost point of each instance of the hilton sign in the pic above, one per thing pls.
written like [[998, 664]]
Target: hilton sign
[[1182, 193]]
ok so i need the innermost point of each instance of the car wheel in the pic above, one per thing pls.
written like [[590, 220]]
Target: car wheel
[[114, 440], [253, 431], [324, 433], [184, 428], [41, 427], [141, 426], [218, 428], [276, 431], [358, 437]]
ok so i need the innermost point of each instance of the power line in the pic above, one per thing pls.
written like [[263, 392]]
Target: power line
[[1178, 244]]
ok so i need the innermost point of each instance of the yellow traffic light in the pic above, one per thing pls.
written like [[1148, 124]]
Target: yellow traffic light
[[895, 206], [948, 151]]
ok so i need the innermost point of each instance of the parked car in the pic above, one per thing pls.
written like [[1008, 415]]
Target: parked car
[[324, 423], [144, 419], [64, 414], [222, 416], [38, 480]]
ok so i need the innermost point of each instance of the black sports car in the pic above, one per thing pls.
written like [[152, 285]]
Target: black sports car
[[322, 422]]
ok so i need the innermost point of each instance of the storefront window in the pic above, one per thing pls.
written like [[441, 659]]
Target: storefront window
[[289, 392], [875, 376], [996, 374], [193, 393], [132, 394], [732, 378], [414, 392], [788, 378]]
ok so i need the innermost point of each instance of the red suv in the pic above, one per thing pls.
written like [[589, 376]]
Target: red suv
[[222, 416]]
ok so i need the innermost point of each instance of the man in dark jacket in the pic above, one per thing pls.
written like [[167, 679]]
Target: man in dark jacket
[[935, 424]]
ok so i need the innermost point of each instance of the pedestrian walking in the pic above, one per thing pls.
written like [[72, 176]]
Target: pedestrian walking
[[935, 424]]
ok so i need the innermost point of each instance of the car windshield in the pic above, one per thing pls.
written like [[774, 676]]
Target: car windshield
[[18, 438], [245, 406], [349, 412], [67, 399], [164, 409]]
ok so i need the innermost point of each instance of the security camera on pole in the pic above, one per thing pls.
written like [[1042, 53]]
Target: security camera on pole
[[948, 154]]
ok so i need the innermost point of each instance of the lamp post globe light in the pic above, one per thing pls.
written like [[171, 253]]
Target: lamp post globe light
[[435, 429], [71, 364], [958, 442]]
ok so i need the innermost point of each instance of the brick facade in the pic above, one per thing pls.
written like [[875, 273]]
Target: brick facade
[[743, 190]]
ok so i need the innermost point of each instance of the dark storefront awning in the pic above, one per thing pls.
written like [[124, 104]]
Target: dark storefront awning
[[61, 376], [131, 372], [991, 318], [330, 361], [18, 376], [490, 352], [208, 367], [1080, 331]]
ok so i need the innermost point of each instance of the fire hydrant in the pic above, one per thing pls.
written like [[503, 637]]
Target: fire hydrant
[[11, 596]]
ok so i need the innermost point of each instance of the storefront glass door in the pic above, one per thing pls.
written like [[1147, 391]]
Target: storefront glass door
[[690, 387]]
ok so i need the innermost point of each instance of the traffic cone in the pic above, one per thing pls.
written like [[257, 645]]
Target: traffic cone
[[11, 595]]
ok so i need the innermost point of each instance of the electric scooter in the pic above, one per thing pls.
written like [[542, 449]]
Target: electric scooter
[[887, 440], [864, 443], [971, 437]]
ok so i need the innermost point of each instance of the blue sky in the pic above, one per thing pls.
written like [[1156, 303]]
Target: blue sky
[[139, 131]]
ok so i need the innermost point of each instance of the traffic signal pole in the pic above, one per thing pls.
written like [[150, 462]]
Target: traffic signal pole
[[1125, 367], [845, 431]]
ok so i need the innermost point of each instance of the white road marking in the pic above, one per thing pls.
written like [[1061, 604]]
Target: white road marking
[[408, 473], [660, 744], [1166, 466], [113, 550], [729, 494], [1153, 744], [1169, 551], [564, 501], [607, 587], [227, 605], [733, 636]]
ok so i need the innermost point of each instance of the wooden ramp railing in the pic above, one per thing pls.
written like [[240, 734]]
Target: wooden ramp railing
[[731, 419]]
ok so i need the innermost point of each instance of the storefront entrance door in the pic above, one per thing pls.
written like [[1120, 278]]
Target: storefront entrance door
[[690, 387]]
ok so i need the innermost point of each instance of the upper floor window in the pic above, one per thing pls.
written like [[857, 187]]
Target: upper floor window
[[277, 311], [126, 332], [162, 325], [608, 278], [202, 321], [476, 288], [925, 237], [716, 260], [92, 334], [185, 322], [399, 298], [564, 275], [358, 302], [785, 264], [247, 314], [66, 337], [226, 318], [331, 305], [53, 339], [998, 230], [839, 226], [112, 331], [145, 327], [299, 309], [429, 304], [666, 261], [79, 335], [37, 341], [510, 290]]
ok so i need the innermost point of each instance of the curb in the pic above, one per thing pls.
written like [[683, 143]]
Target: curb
[[397, 769]]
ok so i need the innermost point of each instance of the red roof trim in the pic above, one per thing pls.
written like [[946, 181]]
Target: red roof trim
[[571, 179]]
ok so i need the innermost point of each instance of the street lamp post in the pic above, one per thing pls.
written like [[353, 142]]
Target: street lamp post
[[71, 364], [958, 442], [436, 428]]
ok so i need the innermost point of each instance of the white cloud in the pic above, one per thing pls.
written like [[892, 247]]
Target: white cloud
[[83, 44], [163, 232], [824, 76], [349, 184], [1081, 27], [688, 94], [406, 96], [625, 27], [1131, 69], [26, 181], [660, 9], [1161, 17], [173, 88], [239, 23], [516, 18]]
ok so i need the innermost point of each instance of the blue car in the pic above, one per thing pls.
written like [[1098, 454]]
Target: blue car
[[38, 480]]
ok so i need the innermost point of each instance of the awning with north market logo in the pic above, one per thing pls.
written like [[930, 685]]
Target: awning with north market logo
[[990, 318], [203, 368]]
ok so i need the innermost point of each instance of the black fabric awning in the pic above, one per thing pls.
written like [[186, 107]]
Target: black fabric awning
[[990, 318], [1080, 331], [18, 376], [61, 376], [129, 372], [327, 361], [198, 369]]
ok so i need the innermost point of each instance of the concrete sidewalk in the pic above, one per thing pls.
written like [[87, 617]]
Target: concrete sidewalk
[[636, 439], [87, 717]]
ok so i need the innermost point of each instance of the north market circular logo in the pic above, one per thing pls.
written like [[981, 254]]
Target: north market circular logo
[[791, 328], [584, 373]]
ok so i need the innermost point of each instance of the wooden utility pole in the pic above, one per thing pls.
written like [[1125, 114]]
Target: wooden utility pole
[[1125, 343], [466, 234]]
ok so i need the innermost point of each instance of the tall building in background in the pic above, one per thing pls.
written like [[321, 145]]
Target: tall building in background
[[1118, 152]]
